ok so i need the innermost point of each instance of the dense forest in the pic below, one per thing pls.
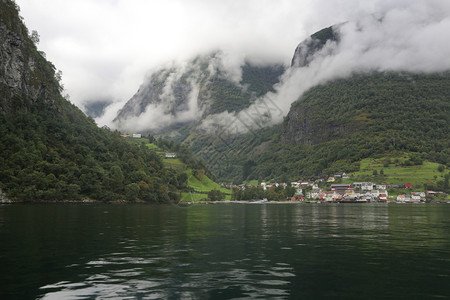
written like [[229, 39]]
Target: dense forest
[[49, 150], [367, 115]]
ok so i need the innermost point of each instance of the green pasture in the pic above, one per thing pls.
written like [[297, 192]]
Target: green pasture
[[204, 185], [417, 175]]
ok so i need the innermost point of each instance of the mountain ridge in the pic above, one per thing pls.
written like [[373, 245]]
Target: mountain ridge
[[183, 94], [335, 124]]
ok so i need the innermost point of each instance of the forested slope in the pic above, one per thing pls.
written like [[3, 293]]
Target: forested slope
[[332, 127], [49, 150]]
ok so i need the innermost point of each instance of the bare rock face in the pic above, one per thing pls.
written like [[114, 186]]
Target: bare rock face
[[168, 87], [306, 50], [12, 62], [187, 92], [20, 73], [303, 126]]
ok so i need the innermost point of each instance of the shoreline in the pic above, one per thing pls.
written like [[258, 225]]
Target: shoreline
[[181, 203]]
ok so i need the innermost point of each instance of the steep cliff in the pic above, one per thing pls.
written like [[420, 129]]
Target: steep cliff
[[23, 70], [409, 107], [184, 93], [305, 51], [307, 125], [49, 150]]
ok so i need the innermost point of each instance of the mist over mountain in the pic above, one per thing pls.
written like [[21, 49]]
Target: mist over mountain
[[336, 103], [180, 94], [365, 87], [96, 108], [399, 40]]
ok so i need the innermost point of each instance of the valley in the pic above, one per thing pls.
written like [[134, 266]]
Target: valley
[[255, 122]]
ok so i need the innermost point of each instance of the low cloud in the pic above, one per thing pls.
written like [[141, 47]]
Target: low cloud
[[170, 94], [105, 48], [156, 117], [403, 39]]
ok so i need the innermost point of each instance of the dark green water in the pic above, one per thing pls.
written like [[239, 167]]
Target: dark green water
[[269, 251]]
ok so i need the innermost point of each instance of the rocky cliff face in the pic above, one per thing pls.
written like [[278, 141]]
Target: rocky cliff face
[[168, 88], [21, 65], [187, 92], [304, 126], [305, 51]]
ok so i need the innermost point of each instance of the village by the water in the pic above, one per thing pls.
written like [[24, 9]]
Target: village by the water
[[325, 189], [337, 188]]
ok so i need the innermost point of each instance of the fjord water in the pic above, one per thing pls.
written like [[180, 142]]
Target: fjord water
[[226, 251]]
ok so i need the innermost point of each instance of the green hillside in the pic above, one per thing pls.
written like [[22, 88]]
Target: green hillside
[[49, 150], [194, 172], [205, 184], [334, 126], [201, 187], [364, 116], [400, 168]]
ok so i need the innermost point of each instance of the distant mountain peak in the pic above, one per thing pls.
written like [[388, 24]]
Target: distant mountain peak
[[305, 51], [184, 93]]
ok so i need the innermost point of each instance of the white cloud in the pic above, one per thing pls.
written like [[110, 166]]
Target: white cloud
[[411, 39], [105, 47]]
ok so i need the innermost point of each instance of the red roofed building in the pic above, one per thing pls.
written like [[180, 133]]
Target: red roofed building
[[340, 187]]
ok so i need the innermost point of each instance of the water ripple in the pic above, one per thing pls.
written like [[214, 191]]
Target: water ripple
[[277, 258]]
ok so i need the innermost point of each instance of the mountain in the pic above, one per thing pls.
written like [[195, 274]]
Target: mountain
[[180, 94], [410, 108], [304, 53], [49, 150], [339, 116], [336, 124]]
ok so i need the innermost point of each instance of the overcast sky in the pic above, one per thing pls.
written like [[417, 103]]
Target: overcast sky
[[105, 47]]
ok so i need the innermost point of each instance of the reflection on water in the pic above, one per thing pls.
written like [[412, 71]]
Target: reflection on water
[[276, 251]]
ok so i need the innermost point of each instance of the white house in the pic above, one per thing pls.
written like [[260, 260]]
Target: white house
[[403, 198], [170, 155], [364, 186], [314, 194], [415, 198], [375, 193], [381, 186], [421, 194], [137, 135]]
